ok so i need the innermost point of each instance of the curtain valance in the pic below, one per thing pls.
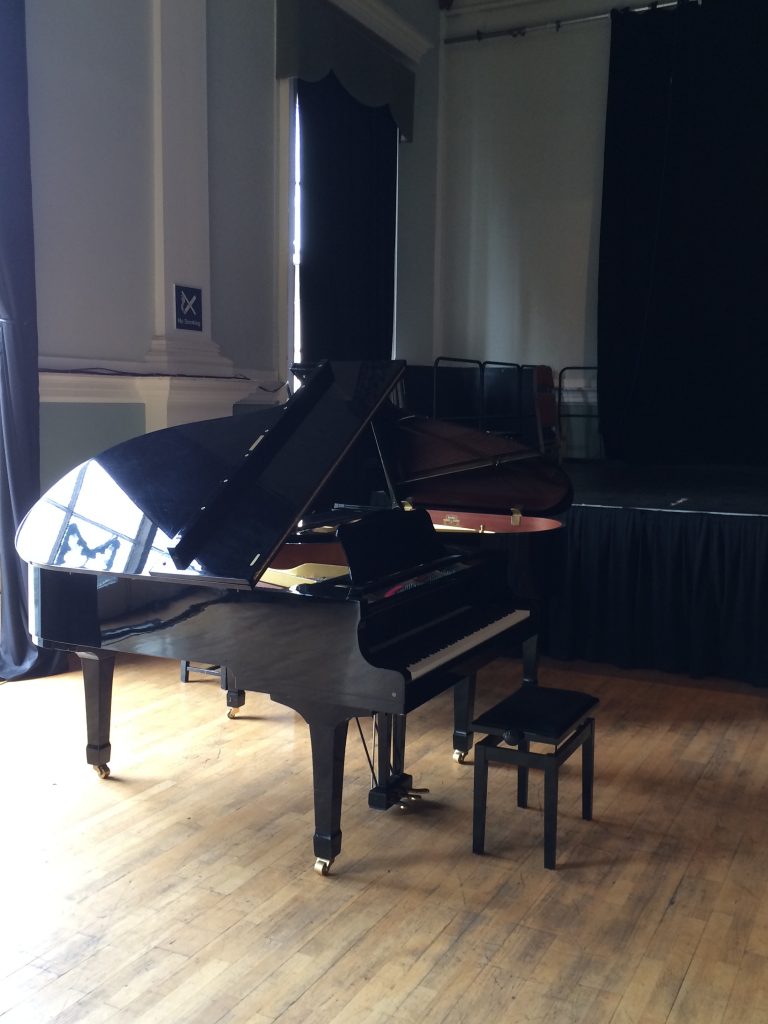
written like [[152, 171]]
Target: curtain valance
[[314, 37]]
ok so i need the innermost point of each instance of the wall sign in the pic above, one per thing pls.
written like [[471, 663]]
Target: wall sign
[[189, 308]]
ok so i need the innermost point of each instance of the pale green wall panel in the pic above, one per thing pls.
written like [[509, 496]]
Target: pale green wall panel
[[70, 433]]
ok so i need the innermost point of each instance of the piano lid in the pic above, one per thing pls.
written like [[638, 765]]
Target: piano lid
[[215, 498], [443, 465], [433, 464]]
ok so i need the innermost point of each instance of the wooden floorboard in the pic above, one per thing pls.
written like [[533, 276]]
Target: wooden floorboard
[[182, 889]]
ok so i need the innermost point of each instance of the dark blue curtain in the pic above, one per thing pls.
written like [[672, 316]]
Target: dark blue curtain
[[682, 352], [348, 218], [19, 400]]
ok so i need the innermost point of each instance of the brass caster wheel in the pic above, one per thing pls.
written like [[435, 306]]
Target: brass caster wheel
[[459, 756], [322, 866], [232, 713], [102, 770]]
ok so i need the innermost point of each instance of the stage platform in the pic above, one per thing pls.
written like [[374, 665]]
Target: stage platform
[[667, 569], [734, 490]]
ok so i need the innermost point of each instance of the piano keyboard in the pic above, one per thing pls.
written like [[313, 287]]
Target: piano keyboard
[[435, 659]]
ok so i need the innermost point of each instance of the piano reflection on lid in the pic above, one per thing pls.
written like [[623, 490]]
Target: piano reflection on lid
[[245, 542]]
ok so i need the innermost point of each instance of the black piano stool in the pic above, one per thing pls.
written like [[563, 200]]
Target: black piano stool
[[185, 667], [535, 714]]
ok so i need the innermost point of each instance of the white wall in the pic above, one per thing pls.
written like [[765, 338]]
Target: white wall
[[417, 206], [154, 128], [521, 171], [242, 94], [150, 168], [91, 154], [499, 190]]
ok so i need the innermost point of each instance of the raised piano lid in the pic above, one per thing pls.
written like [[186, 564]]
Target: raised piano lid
[[437, 465], [444, 465], [212, 499]]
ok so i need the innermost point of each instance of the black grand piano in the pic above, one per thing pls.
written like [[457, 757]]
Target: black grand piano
[[317, 551]]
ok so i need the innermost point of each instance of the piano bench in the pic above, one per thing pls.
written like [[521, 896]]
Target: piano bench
[[185, 667], [535, 714]]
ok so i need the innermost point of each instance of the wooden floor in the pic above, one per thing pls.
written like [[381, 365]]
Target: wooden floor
[[182, 889]]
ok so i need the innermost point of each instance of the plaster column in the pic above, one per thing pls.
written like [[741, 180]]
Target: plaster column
[[180, 178]]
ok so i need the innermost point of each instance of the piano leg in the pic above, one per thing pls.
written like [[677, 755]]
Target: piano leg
[[328, 726], [98, 669], [531, 660], [463, 713], [235, 698], [393, 785], [398, 745]]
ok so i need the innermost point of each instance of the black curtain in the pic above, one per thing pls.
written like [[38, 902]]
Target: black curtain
[[348, 217], [682, 344], [19, 400], [681, 592]]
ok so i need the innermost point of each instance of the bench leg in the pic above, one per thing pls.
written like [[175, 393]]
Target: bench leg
[[480, 799], [588, 772], [531, 660], [522, 776], [550, 815]]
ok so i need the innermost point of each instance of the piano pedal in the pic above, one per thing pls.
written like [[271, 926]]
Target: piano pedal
[[323, 866], [410, 797]]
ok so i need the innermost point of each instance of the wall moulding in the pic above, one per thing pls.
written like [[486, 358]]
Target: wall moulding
[[168, 401]]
